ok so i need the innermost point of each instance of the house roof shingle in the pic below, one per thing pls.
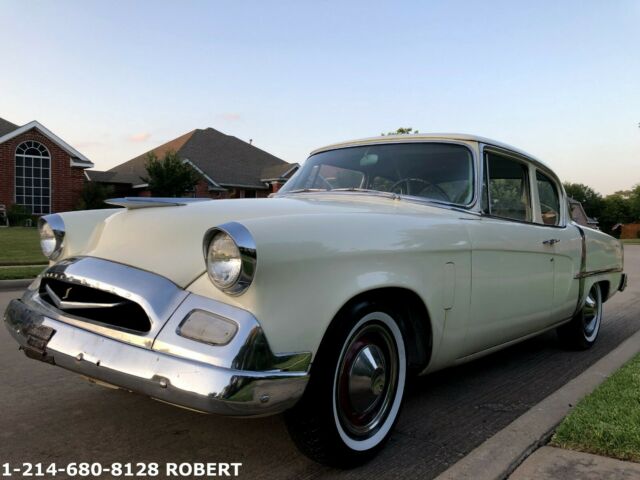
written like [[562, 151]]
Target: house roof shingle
[[225, 159], [113, 177], [278, 171], [6, 127]]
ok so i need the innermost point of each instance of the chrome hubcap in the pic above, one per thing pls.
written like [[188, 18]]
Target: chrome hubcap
[[367, 380]]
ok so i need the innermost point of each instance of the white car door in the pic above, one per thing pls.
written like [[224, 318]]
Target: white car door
[[512, 268], [564, 242]]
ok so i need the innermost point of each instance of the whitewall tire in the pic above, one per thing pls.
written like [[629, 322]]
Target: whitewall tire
[[356, 388]]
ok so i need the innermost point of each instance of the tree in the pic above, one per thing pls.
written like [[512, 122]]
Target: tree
[[402, 131], [169, 177], [616, 209], [591, 200], [93, 196], [634, 203]]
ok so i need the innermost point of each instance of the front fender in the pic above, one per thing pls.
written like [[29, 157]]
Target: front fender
[[81, 228], [309, 267]]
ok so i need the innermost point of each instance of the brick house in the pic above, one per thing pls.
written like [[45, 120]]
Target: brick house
[[629, 230], [230, 167], [38, 169]]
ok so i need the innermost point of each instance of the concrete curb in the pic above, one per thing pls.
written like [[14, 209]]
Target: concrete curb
[[501, 454], [15, 284]]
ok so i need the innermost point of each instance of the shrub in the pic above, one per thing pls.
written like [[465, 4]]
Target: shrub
[[93, 196], [17, 215]]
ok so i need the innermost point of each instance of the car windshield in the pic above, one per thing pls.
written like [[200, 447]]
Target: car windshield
[[436, 171]]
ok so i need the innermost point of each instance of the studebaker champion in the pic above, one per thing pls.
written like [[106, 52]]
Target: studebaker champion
[[380, 259]]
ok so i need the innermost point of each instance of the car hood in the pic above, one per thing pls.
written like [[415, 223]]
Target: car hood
[[168, 240]]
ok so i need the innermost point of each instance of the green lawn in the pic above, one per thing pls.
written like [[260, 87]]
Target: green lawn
[[631, 241], [14, 273], [607, 422], [20, 246]]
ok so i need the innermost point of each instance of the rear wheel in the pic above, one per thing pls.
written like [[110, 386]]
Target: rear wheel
[[355, 391], [582, 331]]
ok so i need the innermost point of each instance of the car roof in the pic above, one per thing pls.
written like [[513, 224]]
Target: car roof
[[417, 137]]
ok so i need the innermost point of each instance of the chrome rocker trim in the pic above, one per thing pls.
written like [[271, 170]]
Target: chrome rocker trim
[[242, 378]]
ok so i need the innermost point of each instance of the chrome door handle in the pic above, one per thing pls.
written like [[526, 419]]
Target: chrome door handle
[[551, 241]]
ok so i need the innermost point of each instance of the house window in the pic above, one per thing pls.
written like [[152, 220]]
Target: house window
[[33, 177]]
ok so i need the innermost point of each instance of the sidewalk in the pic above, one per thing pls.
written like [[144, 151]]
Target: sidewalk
[[550, 463]]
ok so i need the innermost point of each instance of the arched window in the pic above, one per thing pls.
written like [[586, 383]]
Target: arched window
[[33, 177]]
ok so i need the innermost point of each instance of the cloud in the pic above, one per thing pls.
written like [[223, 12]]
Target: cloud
[[230, 116], [88, 144], [139, 137]]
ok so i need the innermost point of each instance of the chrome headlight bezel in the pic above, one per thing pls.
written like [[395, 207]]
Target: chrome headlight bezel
[[248, 258], [57, 232]]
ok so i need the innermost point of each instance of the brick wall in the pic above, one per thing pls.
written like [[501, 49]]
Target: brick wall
[[630, 230], [66, 181]]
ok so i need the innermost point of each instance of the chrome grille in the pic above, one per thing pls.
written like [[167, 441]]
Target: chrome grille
[[94, 305]]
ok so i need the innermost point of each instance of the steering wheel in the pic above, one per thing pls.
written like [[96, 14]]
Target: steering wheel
[[426, 183], [548, 213]]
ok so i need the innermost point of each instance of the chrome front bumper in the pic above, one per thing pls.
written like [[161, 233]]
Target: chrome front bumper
[[243, 378]]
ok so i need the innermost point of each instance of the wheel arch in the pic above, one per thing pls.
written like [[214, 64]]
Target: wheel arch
[[605, 288], [414, 321]]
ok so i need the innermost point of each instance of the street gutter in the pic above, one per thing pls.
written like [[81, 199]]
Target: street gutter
[[20, 284], [501, 454]]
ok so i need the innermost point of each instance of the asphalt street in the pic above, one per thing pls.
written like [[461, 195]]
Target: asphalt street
[[50, 415]]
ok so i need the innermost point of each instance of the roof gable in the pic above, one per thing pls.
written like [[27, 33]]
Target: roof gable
[[137, 165], [77, 159]]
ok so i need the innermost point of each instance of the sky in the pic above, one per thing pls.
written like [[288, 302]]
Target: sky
[[560, 80]]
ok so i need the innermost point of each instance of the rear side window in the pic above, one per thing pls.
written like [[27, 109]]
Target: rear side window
[[549, 200], [508, 188]]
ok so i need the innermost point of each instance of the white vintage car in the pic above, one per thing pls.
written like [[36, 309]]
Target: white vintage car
[[380, 259]]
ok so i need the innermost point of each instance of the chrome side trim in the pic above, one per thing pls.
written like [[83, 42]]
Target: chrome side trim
[[597, 272], [583, 269], [623, 283], [150, 202]]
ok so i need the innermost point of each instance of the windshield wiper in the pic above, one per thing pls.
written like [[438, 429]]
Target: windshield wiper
[[367, 190], [347, 189], [304, 190]]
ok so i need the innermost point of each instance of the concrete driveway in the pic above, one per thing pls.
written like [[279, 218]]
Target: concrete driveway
[[49, 415]]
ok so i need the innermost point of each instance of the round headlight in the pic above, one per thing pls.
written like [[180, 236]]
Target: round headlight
[[223, 260], [230, 257], [51, 235]]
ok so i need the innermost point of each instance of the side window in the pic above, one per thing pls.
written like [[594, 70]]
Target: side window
[[549, 199], [508, 188]]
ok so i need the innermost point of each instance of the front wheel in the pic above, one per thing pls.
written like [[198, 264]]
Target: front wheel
[[355, 391], [581, 332]]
